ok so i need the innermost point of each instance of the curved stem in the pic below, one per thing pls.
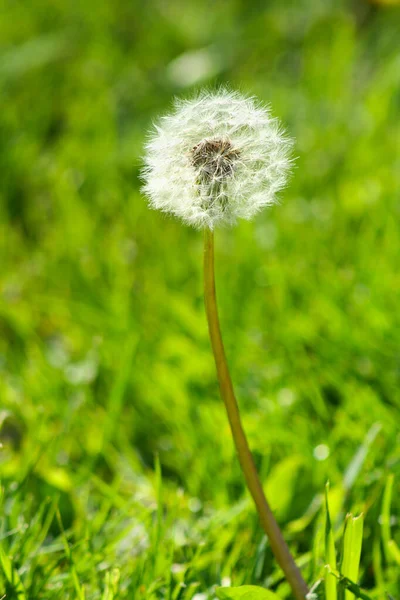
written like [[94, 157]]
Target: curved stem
[[268, 522]]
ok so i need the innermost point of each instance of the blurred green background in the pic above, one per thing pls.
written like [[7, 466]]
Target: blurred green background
[[104, 356]]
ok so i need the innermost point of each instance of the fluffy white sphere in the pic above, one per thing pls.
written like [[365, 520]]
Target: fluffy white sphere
[[216, 158]]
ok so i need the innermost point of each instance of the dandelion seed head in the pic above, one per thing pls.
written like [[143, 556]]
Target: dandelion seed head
[[216, 158]]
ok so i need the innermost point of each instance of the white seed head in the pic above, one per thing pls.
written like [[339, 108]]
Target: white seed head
[[216, 158]]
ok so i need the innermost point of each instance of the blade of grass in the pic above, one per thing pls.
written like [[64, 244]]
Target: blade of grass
[[377, 567], [385, 517], [11, 575], [156, 532], [77, 585], [349, 586], [394, 551], [111, 585], [330, 552], [245, 592], [358, 459], [352, 542]]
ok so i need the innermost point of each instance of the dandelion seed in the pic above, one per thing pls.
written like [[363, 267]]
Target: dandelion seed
[[216, 158]]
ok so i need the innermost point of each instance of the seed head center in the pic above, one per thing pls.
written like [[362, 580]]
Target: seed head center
[[214, 160]]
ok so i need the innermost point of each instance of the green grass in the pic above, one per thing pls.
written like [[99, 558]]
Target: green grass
[[105, 365]]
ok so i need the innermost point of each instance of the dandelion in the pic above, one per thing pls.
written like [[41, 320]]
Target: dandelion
[[217, 158]]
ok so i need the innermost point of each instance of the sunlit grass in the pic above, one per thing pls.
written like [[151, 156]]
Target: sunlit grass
[[104, 354]]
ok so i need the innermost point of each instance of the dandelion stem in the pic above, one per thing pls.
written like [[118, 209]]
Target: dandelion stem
[[268, 522]]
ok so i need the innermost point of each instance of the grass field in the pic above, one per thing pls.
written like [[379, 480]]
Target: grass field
[[118, 474]]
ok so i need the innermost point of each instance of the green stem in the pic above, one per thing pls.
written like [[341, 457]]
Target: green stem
[[268, 522]]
